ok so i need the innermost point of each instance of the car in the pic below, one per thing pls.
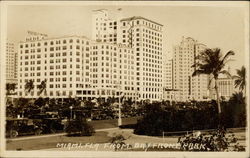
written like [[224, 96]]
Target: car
[[49, 123], [20, 127]]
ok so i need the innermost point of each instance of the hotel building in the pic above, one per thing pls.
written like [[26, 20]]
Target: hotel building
[[144, 36], [188, 87], [75, 66]]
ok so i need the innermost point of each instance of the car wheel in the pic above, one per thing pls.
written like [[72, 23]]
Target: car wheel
[[13, 134], [38, 132]]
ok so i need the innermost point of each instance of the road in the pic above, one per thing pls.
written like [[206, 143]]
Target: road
[[52, 135]]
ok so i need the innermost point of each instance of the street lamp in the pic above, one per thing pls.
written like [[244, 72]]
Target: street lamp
[[119, 114], [119, 106], [71, 107]]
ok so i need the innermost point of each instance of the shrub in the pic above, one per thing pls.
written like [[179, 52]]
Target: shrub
[[215, 141], [79, 127], [118, 143]]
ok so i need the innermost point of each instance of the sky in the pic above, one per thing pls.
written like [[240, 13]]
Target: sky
[[221, 27]]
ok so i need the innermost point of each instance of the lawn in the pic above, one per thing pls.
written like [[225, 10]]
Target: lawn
[[102, 124], [51, 142]]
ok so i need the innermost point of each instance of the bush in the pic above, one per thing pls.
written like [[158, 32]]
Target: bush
[[79, 127], [215, 141], [186, 116]]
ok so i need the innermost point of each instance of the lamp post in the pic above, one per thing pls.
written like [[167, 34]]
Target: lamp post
[[119, 107], [71, 107], [119, 114]]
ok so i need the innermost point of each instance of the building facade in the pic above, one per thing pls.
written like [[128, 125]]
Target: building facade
[[77, 67], [11, 63], [188, 87], [144, 36], [226, 88]]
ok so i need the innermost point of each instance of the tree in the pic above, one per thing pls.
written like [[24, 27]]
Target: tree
[[238, 102], [29, 86], [212, 62], [10, 90], [42, 87], [10, 87], [240, 79]]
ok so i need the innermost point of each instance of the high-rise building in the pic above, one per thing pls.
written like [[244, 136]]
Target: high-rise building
[[144, 36], [188, 87], [76, 66], [105, 25], [11, 63], [168, 90]]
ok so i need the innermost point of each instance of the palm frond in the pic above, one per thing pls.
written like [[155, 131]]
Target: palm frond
[[225, 72]]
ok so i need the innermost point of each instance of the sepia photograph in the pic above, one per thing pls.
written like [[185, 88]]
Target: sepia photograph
[[124, 79]]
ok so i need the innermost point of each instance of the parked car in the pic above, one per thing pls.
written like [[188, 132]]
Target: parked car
[[49, 123], [20, 127]]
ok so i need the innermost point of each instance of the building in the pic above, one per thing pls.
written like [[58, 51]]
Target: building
[[188, 87], [226, 88], [168, 92], [75, 66], [144, 36], [105, 25], [11, 63]]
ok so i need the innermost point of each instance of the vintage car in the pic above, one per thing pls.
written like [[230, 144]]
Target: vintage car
[[49, 123], [21, 126]]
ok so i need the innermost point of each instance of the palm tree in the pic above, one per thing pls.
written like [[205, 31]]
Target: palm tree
[[240, 79], [29, 86], [10, 87], [10, 90], [42, 87], [212, 62]]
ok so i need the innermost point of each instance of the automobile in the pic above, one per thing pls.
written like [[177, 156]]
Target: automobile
[[20, 127], [49, 123], [52, 125]]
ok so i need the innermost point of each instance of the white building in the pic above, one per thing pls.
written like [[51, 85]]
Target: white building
[[226, 88], [11, 63], [188, 87], [168, 93], [144, 36], [77, 67], [105, 25]]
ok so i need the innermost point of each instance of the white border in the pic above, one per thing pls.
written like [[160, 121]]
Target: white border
[[243, 4]]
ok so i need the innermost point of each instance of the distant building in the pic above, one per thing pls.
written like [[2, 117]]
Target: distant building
[[11, 63], [168, 92], [226, 88], [188, 87]]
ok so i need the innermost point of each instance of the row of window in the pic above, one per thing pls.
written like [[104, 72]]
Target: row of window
[[46, 43]]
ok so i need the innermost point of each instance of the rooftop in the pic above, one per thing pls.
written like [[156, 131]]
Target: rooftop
[[139, 17]]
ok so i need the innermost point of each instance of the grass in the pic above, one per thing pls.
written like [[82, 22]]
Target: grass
[[51, 142], [101, 124]]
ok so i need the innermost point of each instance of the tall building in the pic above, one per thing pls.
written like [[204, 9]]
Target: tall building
[[105, 25], [76, 66], [144, 36], [11, 63], [168, 91], [188, 87]]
